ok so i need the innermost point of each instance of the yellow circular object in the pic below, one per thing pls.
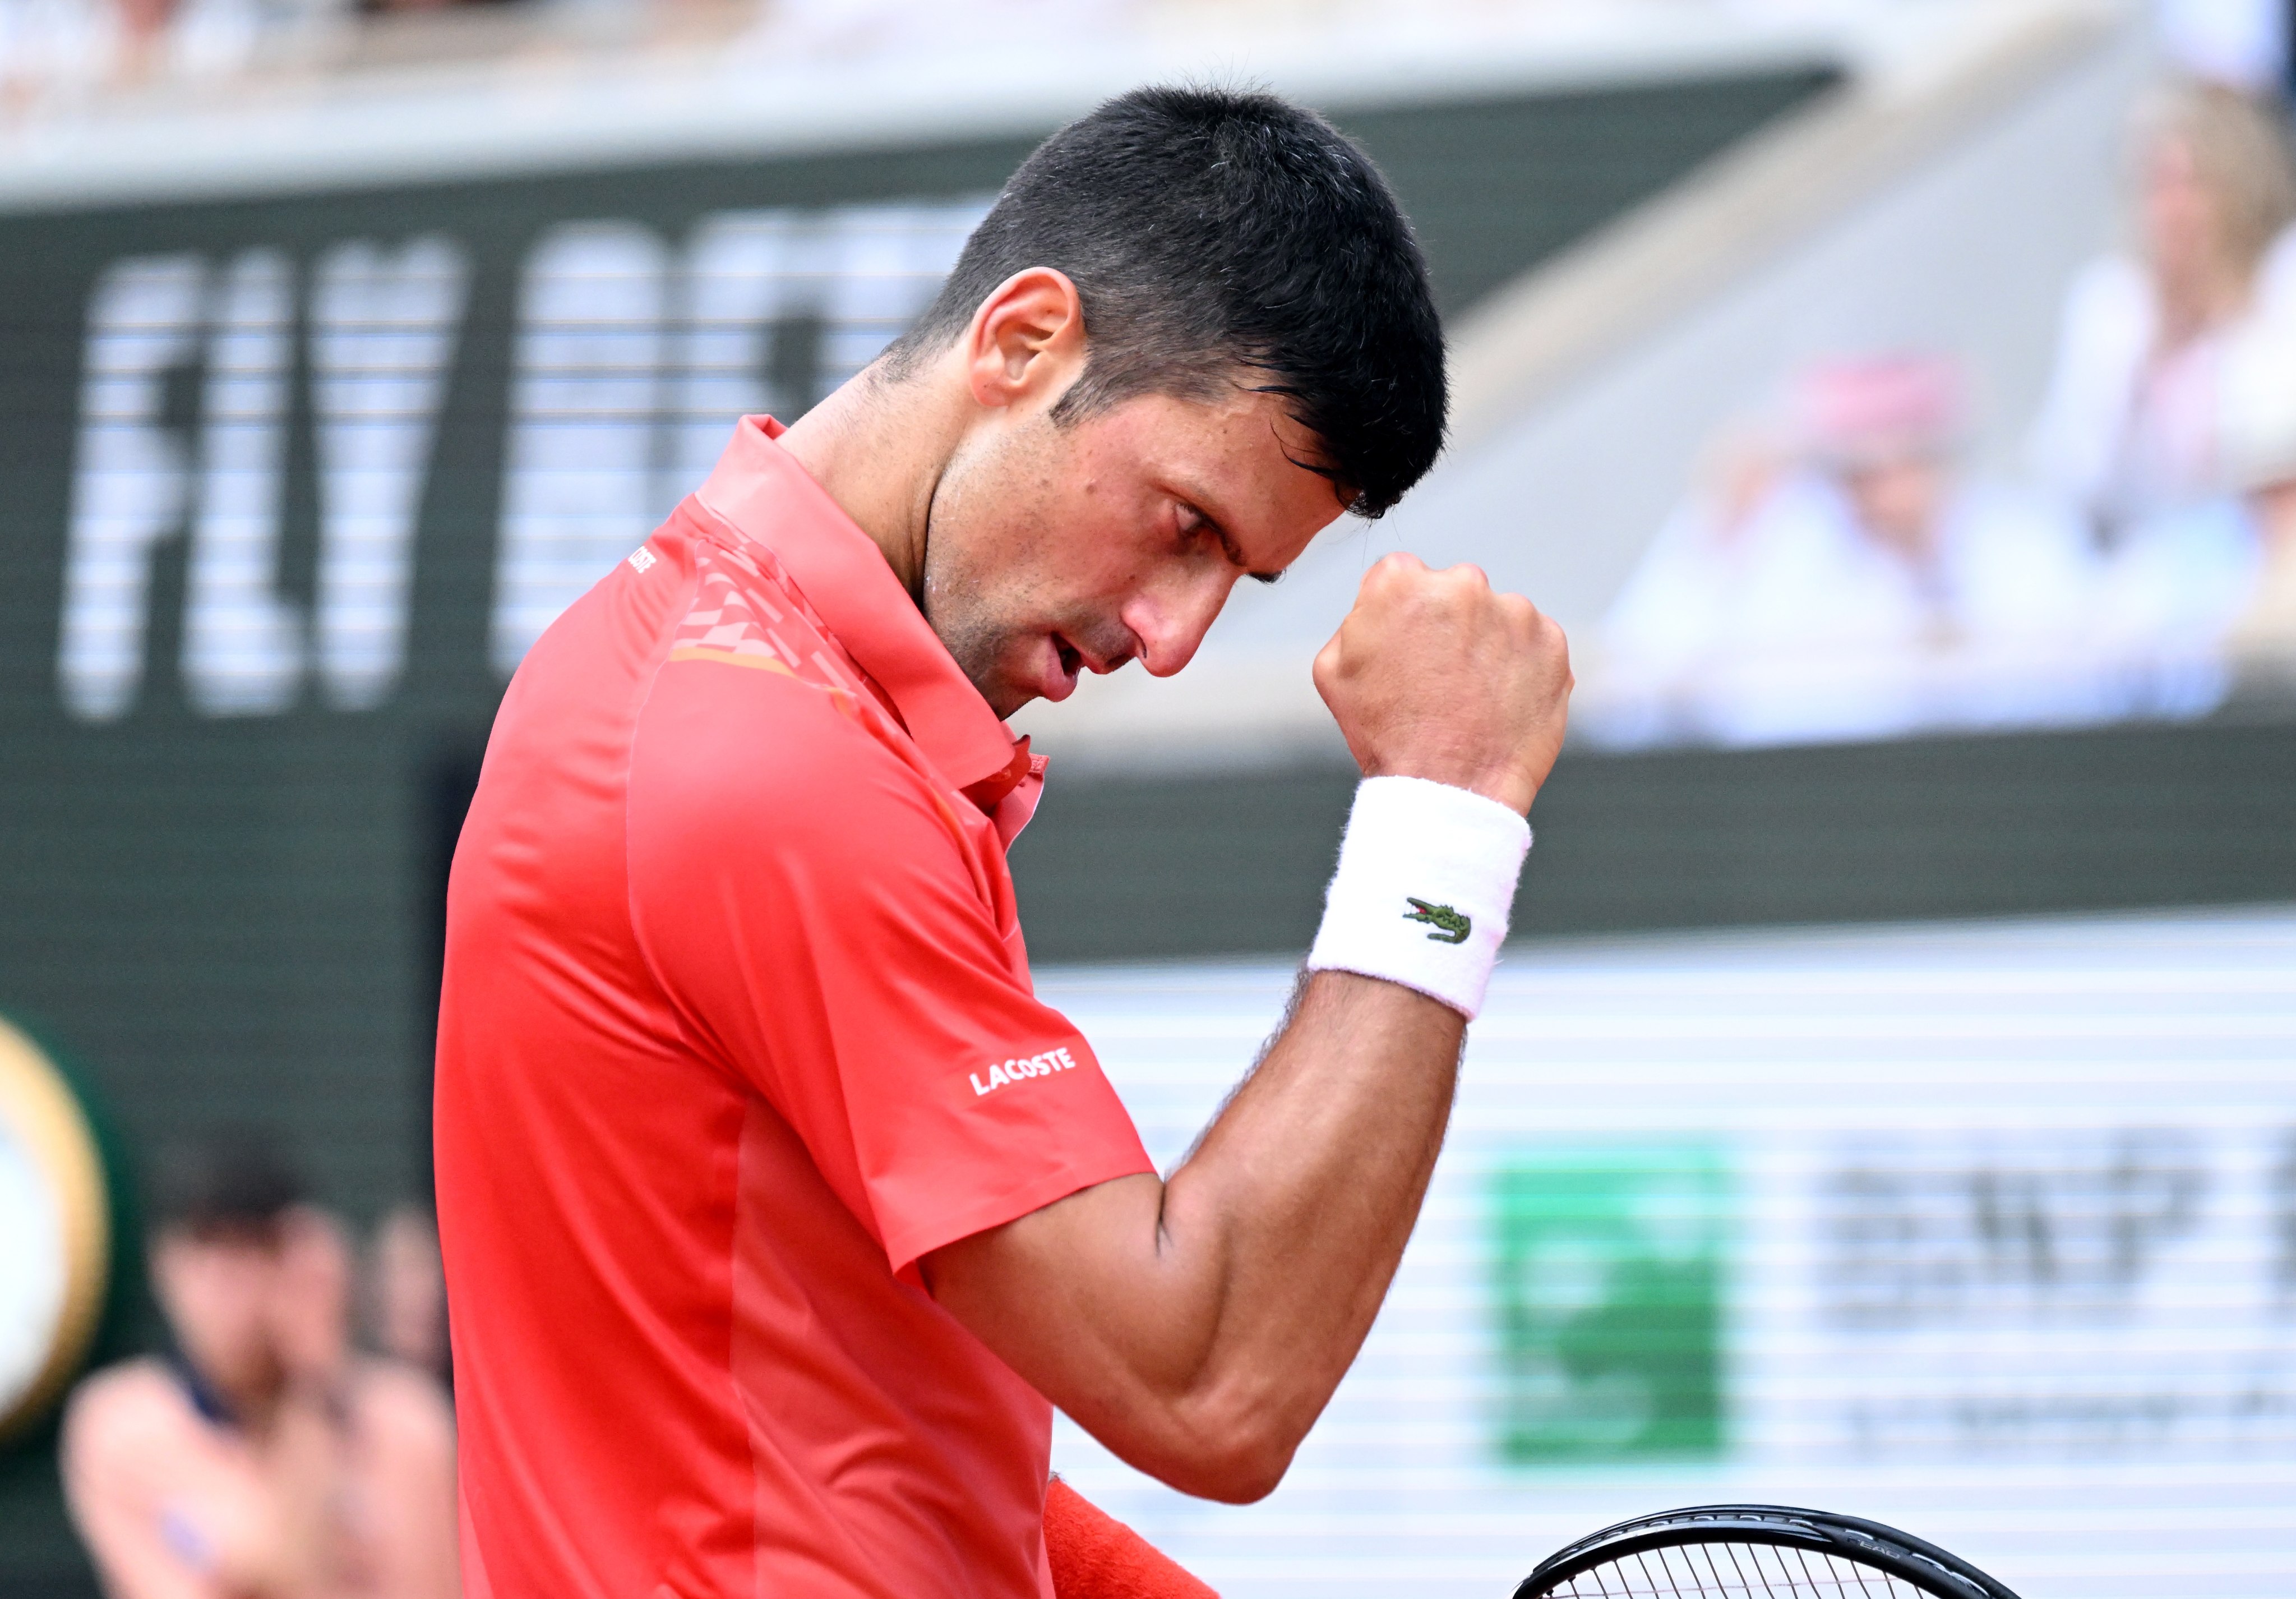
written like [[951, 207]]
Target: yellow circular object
[[55, 1233]]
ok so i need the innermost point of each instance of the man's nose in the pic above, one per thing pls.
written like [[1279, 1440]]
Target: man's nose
[[1171, 623]]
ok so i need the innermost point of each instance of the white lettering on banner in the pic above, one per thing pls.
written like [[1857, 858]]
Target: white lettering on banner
[[745, 271], [630, 371], [629, 365], [2051, 1295], [891, 260], [382, 327], [578, 485], [131, 479], [751, 278], [2005, 1232], [242, 641], [1020, 1071]]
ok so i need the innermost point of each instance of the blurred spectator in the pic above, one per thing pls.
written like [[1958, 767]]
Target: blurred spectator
[[2259, 443], [259, 1457], [1681, 605], [404, 8], [2128, 429], [55, 49], [407, 1289], [1862, 588], [67, 52]]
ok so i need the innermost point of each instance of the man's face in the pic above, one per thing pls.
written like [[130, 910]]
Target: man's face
[[2182, 225], [1897, 498], [217, 1290], [1058, 548]]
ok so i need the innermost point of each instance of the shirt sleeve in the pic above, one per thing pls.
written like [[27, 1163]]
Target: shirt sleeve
[[811, 903]]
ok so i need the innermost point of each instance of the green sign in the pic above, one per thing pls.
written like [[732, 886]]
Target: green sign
[[1610, 1271]]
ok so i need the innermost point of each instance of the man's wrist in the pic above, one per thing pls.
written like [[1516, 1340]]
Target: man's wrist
[[1424, 889], [1505, 787]]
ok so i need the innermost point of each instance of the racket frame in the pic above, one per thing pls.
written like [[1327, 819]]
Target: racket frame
[[1870, 1544]]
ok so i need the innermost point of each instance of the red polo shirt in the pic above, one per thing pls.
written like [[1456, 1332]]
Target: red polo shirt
[[736, 1025]]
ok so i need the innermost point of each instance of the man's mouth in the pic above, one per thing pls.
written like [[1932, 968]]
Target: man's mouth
[[1059, 679], [1064, 661]]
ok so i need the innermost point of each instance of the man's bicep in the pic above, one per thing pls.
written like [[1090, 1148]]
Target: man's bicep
[[1090, 1303], [1069, 1296]]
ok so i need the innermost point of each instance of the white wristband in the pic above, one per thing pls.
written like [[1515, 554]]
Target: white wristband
[[1425, 884]]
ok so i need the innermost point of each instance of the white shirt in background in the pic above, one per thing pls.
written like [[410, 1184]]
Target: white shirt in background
[[2126, 439], [1799, 627]]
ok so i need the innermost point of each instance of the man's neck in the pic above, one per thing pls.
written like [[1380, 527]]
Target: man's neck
[[877, 447]]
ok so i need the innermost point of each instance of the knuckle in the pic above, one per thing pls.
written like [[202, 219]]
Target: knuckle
[[1390, 575]]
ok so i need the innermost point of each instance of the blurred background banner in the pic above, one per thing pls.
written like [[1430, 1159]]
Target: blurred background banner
[[1988, 1229], [1895, 399]]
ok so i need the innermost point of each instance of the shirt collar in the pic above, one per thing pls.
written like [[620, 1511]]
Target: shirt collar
[[759, 491]]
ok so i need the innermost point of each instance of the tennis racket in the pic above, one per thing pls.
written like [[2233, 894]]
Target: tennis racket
[[1755, 1552]]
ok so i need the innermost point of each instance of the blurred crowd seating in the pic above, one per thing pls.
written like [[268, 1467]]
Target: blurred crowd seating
[[1840, 572], [81, 56]]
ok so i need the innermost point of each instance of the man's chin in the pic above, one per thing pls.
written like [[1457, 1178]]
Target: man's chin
[[1035, 675], [999, 674], [1007, 697], [1007, 691]]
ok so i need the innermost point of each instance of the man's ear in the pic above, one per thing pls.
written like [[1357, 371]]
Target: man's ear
[[1026, 342]]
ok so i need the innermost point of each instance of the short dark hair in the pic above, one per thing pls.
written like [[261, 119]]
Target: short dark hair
[[236, 1182], [1207, 231]]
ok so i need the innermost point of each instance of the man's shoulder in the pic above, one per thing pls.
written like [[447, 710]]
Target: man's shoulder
[[759, 728], [140, 1384], [768, 714], [746, 613], [721, 767], [134, 1405]]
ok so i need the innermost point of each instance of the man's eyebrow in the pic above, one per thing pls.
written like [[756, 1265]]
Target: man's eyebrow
[[1235, 555]]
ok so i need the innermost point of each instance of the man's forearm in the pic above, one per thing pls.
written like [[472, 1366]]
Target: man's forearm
[[1307, 1187], [1208, 1319]]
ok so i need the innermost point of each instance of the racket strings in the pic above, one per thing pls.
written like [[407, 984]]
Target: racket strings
[[1733, 1571]]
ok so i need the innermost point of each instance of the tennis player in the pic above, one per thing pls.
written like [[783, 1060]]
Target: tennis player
[[777, 1211]]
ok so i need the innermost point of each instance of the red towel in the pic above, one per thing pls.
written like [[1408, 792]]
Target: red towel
[[1095, 1556]]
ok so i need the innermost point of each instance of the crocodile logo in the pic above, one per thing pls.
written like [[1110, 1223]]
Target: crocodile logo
[[1450, 927]]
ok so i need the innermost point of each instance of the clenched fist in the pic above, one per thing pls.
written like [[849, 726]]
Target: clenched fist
[[1432, 675]]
